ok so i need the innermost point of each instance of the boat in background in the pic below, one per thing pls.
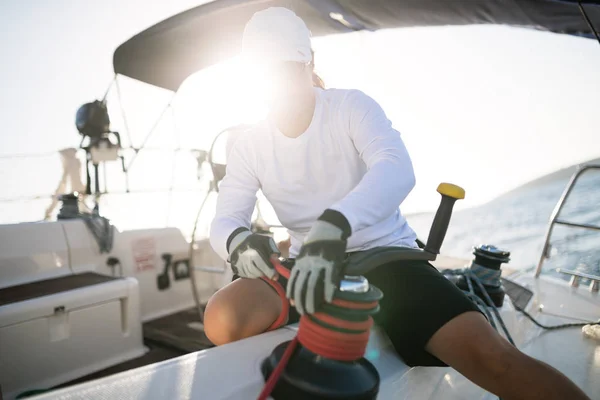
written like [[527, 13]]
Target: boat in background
[[88, 311]]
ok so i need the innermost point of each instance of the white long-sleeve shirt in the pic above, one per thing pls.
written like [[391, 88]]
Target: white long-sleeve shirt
[[349, 159]]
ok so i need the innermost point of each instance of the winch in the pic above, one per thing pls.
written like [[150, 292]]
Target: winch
[[486, 266], [325, 361]]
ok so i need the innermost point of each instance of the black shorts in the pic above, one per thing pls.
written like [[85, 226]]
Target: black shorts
[[417, 301]]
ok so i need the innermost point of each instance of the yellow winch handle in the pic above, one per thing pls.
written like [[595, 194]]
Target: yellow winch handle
[[450, 190], [450, 193]]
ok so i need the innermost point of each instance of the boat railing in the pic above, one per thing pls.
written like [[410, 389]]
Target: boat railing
[[576, 277], [555, 219]]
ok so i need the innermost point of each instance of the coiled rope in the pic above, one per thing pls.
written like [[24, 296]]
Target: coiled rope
[[339, 332]]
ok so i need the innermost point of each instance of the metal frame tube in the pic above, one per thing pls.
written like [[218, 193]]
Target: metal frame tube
[[556, 212]]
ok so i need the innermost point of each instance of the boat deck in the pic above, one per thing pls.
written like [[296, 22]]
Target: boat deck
[[181, 331], [199, 374], [568, 350]]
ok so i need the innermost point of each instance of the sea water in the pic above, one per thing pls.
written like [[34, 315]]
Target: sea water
[[518, 222]]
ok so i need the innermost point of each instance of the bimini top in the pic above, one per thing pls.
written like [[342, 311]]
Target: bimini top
[[167, 53]]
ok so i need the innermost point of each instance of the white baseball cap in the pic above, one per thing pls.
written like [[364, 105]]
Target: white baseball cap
[[276, 34]]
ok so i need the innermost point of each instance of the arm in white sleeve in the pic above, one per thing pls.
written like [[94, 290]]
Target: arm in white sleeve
[[236, 199], [390, 175]]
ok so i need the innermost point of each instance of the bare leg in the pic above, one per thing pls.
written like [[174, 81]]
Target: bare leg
[[471, 346], [243, 308]]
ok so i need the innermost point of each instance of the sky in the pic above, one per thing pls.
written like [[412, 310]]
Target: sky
[[485, 107]]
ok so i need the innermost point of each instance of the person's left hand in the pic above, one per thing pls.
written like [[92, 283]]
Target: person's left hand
[[318, 268]]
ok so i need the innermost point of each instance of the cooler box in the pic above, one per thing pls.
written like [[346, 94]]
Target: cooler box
[[57, 330]]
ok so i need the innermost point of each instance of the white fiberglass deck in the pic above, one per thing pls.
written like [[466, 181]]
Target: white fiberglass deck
[[232, 372], [568, 350]]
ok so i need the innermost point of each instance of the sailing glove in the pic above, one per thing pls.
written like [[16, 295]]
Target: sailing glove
[[319, 265], [250, 254]]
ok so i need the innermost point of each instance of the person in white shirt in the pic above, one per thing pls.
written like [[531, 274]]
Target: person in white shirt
[[336, 171]]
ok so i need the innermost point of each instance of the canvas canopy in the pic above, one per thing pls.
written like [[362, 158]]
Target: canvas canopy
[[167, 53]]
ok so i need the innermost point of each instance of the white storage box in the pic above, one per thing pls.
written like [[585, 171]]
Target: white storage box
[[57, 330]]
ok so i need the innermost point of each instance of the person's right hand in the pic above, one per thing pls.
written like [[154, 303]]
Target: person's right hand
[[250, 255]]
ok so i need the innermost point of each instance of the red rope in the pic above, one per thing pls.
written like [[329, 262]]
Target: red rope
[[328, 343], [274, 377], [285, 304], [332, 344]]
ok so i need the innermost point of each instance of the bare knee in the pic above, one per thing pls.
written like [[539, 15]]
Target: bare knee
[[244, 308], [221, 322]]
